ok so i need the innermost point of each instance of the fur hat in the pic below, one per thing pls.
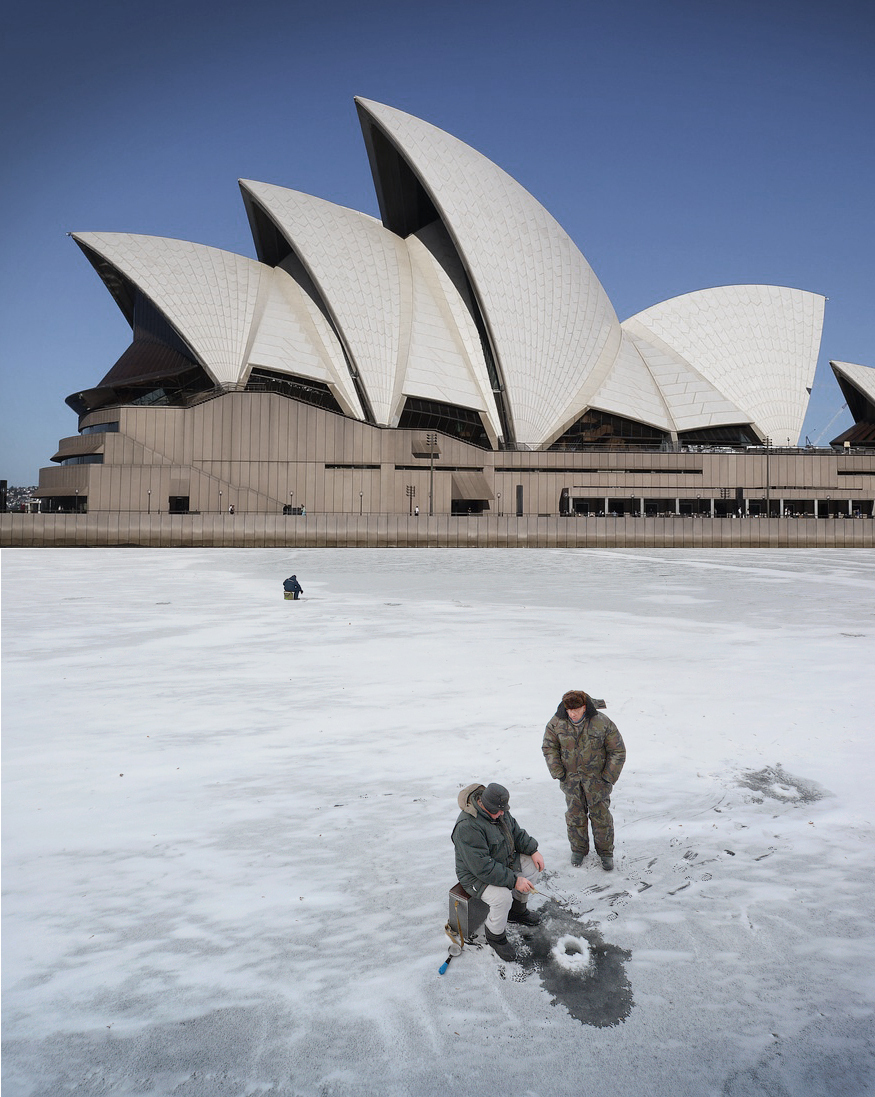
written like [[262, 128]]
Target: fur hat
[[574, 698], [494, 798]]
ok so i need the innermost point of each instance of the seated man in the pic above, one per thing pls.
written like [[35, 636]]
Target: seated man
[[496, 861], [293, 587]]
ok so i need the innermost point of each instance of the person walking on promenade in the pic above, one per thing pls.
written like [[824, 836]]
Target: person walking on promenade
[[585, 753]]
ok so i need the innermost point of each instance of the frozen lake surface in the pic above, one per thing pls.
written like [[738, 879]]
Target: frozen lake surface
[[227, 818]]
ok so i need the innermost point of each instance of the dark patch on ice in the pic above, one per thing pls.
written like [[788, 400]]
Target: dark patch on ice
[[776, 783], [601, 996]]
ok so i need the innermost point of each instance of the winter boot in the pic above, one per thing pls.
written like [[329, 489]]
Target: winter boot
[[607, 861], [502, 946], [577, 856], [522, 916]]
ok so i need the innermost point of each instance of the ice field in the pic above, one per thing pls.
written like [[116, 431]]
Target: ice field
[[226, 822]]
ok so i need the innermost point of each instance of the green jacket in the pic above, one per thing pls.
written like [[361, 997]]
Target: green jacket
[[592, 749], [487, 850]]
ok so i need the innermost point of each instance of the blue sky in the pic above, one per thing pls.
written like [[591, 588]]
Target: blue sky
[[681, 143]]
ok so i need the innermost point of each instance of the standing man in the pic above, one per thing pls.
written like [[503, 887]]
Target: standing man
[[496, 861], [585, 754]]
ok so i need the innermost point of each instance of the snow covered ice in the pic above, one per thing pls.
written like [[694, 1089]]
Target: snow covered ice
[[227, 820]]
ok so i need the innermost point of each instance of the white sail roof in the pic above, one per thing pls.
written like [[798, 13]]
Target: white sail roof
[[478, 299], [208, 295], [363, 274], [294, 337], [757, 345], [631, 391], [446, 360], [861, 377], [552, 327], [693, 403]]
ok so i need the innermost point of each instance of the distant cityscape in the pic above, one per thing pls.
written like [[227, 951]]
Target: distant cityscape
[[20, 499]]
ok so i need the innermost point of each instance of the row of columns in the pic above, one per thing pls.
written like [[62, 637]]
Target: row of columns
[[710, 505]]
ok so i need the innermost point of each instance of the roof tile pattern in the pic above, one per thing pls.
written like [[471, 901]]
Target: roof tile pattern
[[631, 391], [692, 402], [293, 337], [209, 296], [757, 345], [437, 367], [553, 327], [363, 273], [446, 356]]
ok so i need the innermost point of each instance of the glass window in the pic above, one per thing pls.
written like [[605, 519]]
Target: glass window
[[719, 436], [83, 459], [100, 428], [599, 428], [293, 388], [461, 423]]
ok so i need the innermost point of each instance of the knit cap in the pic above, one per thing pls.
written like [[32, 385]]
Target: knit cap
[[495, 798]]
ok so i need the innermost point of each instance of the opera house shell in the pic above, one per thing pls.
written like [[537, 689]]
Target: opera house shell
[[858, 388], [465, 320]]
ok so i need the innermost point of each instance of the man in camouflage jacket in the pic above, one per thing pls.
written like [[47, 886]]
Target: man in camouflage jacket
[[585, 754]]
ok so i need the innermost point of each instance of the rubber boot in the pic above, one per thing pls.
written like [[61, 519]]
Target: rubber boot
[[607, 861], [577, 856], [522, 916], [502, 946]]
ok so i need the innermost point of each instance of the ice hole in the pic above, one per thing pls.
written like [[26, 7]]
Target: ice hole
[[782, 792], [572, 953]]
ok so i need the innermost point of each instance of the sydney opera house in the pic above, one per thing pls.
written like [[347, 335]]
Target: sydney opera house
[[458, 356]]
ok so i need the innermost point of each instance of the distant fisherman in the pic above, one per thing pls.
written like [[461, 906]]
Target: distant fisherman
[[585, 754], [293, 587]]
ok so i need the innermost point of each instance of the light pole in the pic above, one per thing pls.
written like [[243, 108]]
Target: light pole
[[499, 504], [698, 506], [361, 502], [411, 491], [291, 497], [77, 500], [149, 502], [768, 478], [431, 439], [220, 501]]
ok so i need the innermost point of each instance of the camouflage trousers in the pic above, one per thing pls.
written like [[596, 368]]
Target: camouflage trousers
[[588, 797]]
